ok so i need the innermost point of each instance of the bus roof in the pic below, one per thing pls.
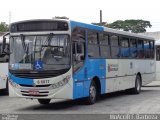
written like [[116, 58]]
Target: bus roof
[[30, 20], [128, 33], [94, 27], [110, 30]]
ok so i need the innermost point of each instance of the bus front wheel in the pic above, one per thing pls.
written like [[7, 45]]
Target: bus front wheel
[[44, 101], [6, 90], [91, 99]]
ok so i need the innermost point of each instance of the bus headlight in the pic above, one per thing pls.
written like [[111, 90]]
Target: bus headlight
[[61, 83]]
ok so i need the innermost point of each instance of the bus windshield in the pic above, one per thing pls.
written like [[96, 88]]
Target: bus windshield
[[51, 51]]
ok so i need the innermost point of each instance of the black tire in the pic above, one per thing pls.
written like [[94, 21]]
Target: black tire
[[44, 101], [6, 90], [91, 99], [137, 88]]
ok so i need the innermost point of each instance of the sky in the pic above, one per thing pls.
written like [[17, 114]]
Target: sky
[[86, 11]]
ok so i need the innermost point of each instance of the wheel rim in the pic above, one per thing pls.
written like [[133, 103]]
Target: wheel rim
[[92, 93], [138, 85]]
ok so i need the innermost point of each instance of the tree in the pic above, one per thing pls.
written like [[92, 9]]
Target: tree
[[4, 27], [61, 17], [135, 26]]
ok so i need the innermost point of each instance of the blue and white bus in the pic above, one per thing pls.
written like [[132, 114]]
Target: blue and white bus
[[4, 58], [64, 59]]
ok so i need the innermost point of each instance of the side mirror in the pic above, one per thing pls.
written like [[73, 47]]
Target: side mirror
[[4, 43]]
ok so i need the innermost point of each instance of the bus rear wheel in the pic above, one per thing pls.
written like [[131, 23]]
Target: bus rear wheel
[[44, 101], [137, 88], [92, 94]]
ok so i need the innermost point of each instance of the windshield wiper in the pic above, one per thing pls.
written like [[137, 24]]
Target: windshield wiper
[[50, 38], [24, 45], [47, 43]]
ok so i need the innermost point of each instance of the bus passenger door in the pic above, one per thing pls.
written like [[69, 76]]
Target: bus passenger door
[[78, 58], [78, 69]]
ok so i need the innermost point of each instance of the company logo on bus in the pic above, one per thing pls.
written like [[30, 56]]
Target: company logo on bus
[[112, 67]]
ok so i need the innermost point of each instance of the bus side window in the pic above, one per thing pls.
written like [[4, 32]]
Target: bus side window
[[158, 53], [114, 46], [140, 47], [124, 50], [147, 51], [152, 49], [104, 45], [133, 48], [93, 45]]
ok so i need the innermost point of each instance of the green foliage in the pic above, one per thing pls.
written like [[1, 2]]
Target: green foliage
[[135, 26], [4, 27], [61, 17]]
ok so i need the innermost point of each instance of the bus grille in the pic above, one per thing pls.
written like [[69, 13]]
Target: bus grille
[[34, 75], [34, 95], [35, 85], [40, 93], [38, 74]]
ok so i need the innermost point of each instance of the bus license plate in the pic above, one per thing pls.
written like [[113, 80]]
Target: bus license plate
[[34, 92]]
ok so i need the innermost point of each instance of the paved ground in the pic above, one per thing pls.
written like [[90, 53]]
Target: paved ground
[[120, 102]]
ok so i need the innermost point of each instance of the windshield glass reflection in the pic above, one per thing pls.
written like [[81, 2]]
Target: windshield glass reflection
[[49, 52]]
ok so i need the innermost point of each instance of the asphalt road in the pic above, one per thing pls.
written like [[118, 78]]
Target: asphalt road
[[147, 102]]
